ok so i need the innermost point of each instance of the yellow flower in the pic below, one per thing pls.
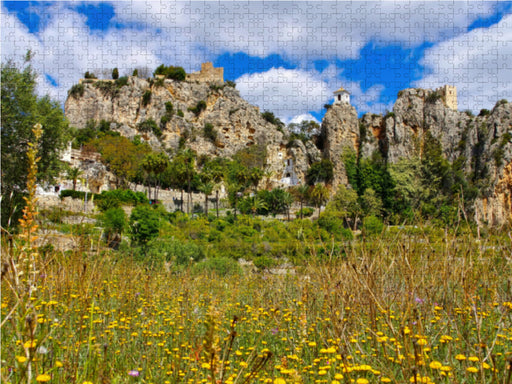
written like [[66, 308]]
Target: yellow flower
[[43, 378], [473, 359], [21, 359], [460, 357], [435, 365], [58, 364], [472, 369], [205, 365], [30, 344], [279, 380], [312, 344], [361, 380], [422, 342], [385, 380], [338, 376]]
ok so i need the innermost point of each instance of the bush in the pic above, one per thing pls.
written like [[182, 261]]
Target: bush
[[230, 83], [73, 194], [173, 250], [263, 262], [146, 98], [122, 81], [221, 266], [89, 75], [135, 72], [169, 109], [199, 107], [76, 91], [115, 74], [113, 221], [306, 212], [149, 125], [269, 116], [175, 73], [320, 171], [144, 224], [372, 225], [209, 132], [334, 225]]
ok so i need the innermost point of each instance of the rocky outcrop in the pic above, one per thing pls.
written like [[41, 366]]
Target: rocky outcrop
[[340, 130], [173, 105]]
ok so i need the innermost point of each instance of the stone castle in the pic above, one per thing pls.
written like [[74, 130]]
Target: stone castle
[[449, 95], [207, 74]]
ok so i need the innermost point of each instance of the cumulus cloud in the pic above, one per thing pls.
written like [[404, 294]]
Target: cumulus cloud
[[302, 117], [286, 92], [478, 63]]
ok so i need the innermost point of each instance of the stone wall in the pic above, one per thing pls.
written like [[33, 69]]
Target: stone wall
[[207, 74]]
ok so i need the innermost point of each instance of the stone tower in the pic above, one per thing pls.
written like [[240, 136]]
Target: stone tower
[[449, 95]]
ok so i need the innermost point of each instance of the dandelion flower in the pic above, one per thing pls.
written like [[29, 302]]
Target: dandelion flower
[[21, 359], [362, 380], [279, 380], [473, 359], [472, 369], [460, 357], [435, 365], [43, 378]]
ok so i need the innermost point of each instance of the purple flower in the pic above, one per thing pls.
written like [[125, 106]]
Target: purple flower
[[275, 330], [419, 300], [134, 373]]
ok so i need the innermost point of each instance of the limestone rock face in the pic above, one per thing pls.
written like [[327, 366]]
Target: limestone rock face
[[340, 129], [237, 124]]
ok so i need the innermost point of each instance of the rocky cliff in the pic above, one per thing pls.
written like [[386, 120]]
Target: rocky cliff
[[175, 106], [481, 146]]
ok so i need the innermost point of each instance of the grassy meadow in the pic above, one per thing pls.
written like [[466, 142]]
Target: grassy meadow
[[398, 307]]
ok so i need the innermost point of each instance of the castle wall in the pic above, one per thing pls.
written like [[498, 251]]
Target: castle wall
[[207, 74], [449, 94]]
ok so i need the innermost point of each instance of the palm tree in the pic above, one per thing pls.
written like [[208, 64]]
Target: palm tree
[[301, 193], [288, 201], [73, 174], [319, 195], [206, 187]]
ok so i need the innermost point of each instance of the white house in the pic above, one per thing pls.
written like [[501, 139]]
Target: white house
[[341, 96]]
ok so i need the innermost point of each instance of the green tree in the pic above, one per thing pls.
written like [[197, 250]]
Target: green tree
[[206, 187], [73, 174], [371, 204], [113, 221], [144, 224], [154, 164], [321, 171], [346, 203], [301, 193], [21, 108], [115, 73], [319, 196]]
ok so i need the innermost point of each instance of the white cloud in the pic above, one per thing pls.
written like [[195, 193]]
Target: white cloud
[[286, 92], [478, 63], [302, 117]]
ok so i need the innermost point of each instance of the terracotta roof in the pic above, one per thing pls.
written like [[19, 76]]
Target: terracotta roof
[[341, 90]]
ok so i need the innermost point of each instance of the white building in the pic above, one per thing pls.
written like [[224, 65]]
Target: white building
[[341, 96]]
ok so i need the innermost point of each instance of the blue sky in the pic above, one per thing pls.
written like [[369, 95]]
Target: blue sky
[[287, 57]]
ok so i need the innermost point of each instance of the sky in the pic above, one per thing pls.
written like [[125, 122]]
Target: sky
[[287, 57]]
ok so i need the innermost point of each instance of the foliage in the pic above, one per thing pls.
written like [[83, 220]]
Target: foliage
[[113, 221], [198, 108], [209, 132], [320, 171], [149, 125], [230, 84], [122, 156], [21, 109], [433, 97], [171, 72], [254, 156], [305, 212], [89, 75], [334, 223], [272, 119], [144, 224], [372, 226], [146, 98], [76, 91]]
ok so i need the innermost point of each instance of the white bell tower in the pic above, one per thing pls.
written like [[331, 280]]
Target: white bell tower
[[341, 96]]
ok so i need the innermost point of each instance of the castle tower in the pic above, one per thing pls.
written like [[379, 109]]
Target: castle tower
[[341, 96], [449, 95]]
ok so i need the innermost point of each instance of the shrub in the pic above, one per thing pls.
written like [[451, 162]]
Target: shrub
[[484, 112], [113, 221], [149, 125], [122, 81], [263, 262], [372, 225], [180, 113], [146, 98], [230, 84], [175, 73], [320, 171], [115, 73], [327, 106], [76, 91], [73, 194], [199, 107], [135, 72], [306, 212], [334, 225], [89, 75], [221, 266], [433, 97], [169, 109], [272, 119], [107, 88], [144, 224], [209, 132]]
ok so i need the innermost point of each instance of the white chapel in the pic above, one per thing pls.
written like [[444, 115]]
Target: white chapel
[[341, 96]]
